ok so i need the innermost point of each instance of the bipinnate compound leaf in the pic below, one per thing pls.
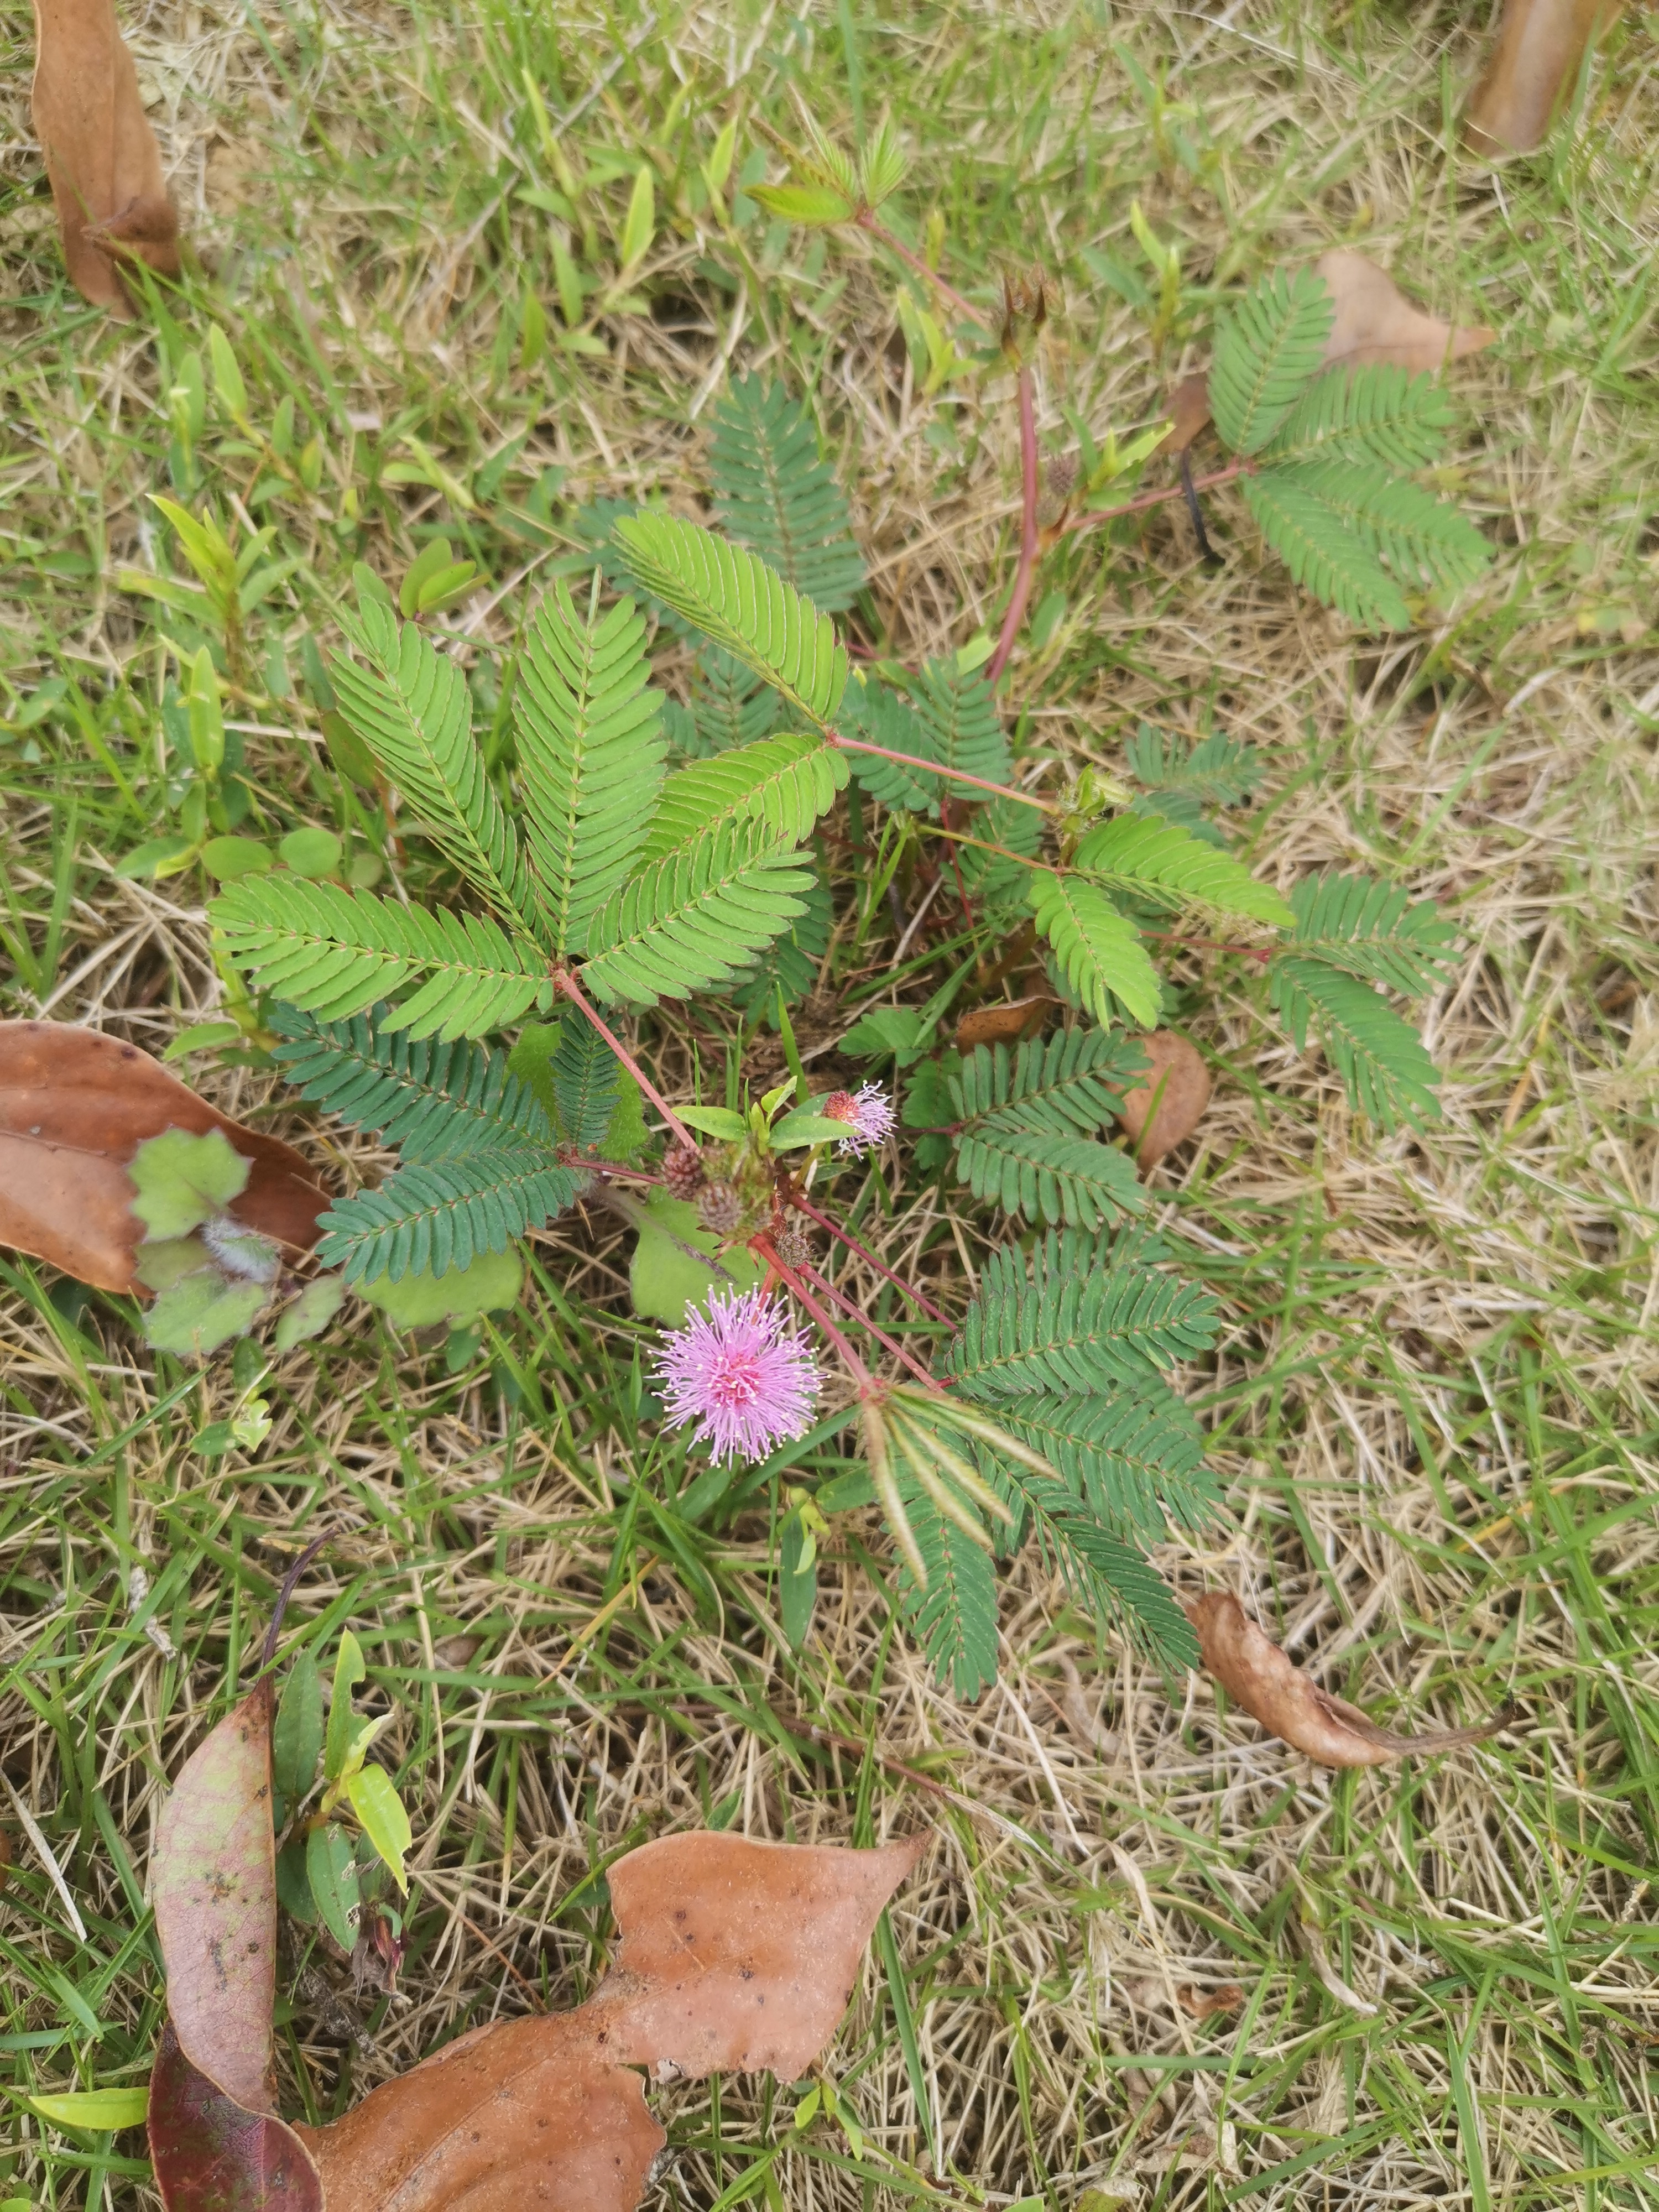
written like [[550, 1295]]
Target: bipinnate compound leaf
[[1099, 949], [102, 160], [1290, 1705], [774, 493], [1267, 345], [213, 1880], [75, 1106]]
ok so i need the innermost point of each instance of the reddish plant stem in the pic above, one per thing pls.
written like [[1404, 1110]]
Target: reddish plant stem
[[1025, 574], [763, 1247], [799, 1199], [950, 774], [1212, 945], [1149, 499], [867, 221], [566, 984], [888, 1343]]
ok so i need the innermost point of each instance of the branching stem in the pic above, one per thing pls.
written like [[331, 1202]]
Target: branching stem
[[804, 1204], [764, 1249], [888, 1343]]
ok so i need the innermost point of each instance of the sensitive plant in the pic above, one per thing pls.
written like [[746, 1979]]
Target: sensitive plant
[[616, 852]]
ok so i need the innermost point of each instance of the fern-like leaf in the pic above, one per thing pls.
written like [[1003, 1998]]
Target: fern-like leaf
[[773, 494], [1322, 553], [791, 962], [432, 1100], [1078, 1323], [411, 709], [1025, 1142], [784, 783], [1112, 1580], [742, 606], [1046, 1177], [1158, 861], [1072, 1081], [728, 706], [1384, 1065], [587, 1083], [444, 1214], [591, 752], [1136, 1458], [955, 1618], [1377, 412], [1218, 771], [335, 952], [1421, 537], [1372, 929], [1099, 949], [694, 917], [1267, 348], [882, 716]]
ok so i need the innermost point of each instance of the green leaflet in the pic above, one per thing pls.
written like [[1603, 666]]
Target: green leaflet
[[784, 783], [1267, 347], [1157, 860], [591, 747], [431, 1100], [1384, 1065], [1323, 555], [1136, 1458], [740, 603], [1046, 1177], [1025, 1142], [773, 494], [955, 1617], [1374, 930], [334, 952], [411, 709], [1099, 949], [695, 917], [1377, 412], [1333, 524], [428, 1219]]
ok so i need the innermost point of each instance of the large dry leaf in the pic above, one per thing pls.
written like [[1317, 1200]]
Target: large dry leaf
[[212, 2155], [1168, 1104], [75, 1106], [1256, 1674], [1541, 45], [213, 1880], [102, 159], [1375, 320]]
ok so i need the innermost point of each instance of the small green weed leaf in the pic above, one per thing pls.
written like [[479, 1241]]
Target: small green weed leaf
[[158, 857], [640, 227], [296, 1740], [798, 1581], [341, 1720], [805, 1128], [202, 1312], [159, 1266], [816, 206], [94, 2108], [310, 1314], [375, 1802], [227, 858], [226, 375], [182, 1180], [714, 1121], [331, 1871], [202, 1036], [665, 1280], [293, 1883], [311, 853], [486, 1284]]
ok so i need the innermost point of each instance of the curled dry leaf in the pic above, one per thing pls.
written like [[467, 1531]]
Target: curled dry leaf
[[1167, 1104], [1004, 1024], [1257, 1675], [1541, 45], [75, 1106], [102, 159], [1374, 321], [732, 1954], [1188, 409], [1205, 2004]]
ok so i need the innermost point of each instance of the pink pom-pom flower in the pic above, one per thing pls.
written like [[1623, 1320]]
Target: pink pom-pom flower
[[868, 1110], [747, 1380]]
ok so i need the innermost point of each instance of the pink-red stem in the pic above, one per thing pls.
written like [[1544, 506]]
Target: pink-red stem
[[888, 1343], [866, 219], [1139, 505], [852, 1245], [1025, 574], [572, 990], [950, 774], [855, 1367]]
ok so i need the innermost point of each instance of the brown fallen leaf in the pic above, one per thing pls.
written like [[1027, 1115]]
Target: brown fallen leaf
[[1205, 2004], [1375, 320], [75, 1106], [1188, 409], [1541, 46], [102, 160], [1257, 1675], [214, 1882], [1004, 1024], [1173, 1093], [732, 1954]]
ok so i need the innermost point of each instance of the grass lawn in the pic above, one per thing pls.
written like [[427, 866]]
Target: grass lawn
[[1434, 1403]]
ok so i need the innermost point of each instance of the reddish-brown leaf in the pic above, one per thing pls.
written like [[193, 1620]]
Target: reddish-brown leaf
[[737, 1953], [1004, 1024], [102, 159], [210, 2156], [1375, 320], [1257, 1675], [529, 2112], [1188, 409], [213, 1878], [1541, 45], [1205, 2004], [1168, 1104], [75, 1106], [733, 1953]]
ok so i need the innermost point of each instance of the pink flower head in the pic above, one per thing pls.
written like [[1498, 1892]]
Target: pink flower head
[[869, 1110], [741, 1373]]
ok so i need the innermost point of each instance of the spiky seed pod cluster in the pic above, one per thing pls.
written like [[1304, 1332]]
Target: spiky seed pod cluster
[[683, 1172], [720, 1208], [793, 1244]]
